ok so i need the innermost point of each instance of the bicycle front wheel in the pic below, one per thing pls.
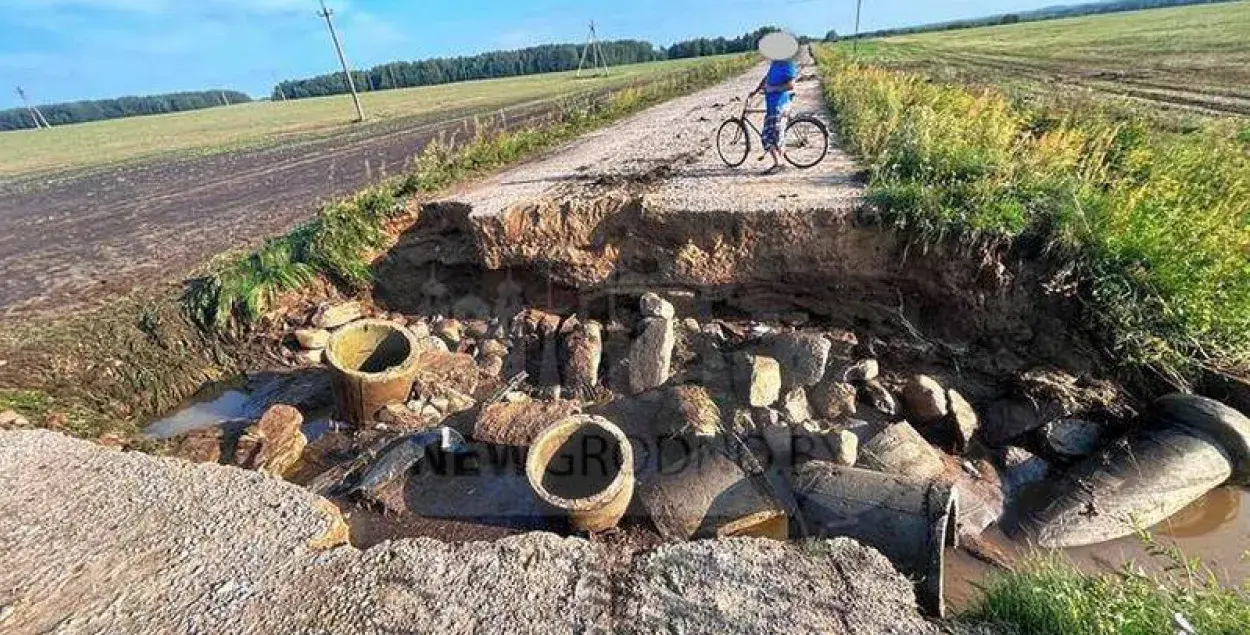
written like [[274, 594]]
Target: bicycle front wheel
[[807, 141], [732, 142]]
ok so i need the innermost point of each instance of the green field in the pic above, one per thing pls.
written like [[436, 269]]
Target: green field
[[1195, 58], [218, 129]]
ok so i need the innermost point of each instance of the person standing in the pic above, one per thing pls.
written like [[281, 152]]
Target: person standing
[[778, 88]]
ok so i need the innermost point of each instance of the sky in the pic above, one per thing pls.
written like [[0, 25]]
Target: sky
[[62, 50]]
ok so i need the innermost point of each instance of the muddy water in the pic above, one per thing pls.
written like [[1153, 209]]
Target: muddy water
[[1215, 528]]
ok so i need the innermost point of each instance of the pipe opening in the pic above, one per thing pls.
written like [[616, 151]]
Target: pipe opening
[[371, 348], [584, 464]]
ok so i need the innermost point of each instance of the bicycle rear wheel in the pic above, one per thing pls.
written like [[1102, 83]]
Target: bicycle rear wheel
[[732, 142], [807, 141]]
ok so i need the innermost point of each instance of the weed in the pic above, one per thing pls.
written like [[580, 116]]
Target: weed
[[1158, 223]]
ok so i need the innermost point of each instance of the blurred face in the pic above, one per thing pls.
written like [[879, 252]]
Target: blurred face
[[779, 46]]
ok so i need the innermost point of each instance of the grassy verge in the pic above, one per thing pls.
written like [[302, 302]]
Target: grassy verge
[[338, 245], [1049, 596], [1155, 224]]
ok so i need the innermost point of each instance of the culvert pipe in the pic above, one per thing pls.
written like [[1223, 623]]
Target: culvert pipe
[[910, 521], [705, 494], [1187, 446], [583, 466], [374, 364]]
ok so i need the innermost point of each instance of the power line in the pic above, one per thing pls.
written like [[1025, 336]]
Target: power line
[[35, 114], [595, 49], [338, 48]]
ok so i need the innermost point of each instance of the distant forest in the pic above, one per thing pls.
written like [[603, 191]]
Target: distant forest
[[95, 110], [548, 58], [1046, 13]]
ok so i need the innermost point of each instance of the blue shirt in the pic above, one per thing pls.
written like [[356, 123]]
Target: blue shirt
[[779, 72]]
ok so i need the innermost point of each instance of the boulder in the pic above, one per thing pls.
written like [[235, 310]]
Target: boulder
[[832, 399], [651, 354], [314, 357], [274, 444], [310, 339], [880, 397], [491, 365], [493, 347], [439, 372], [336, 315], [758, 379], [652, 305], [518, 423], [794, 406], [1022, 468], [899, 449], [964, 420], [583, 346], [1072, 438], [688, 409], [206, 445], [802, 356], [925, 399], [1007, 419]]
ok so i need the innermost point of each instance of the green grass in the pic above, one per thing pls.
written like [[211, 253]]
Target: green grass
[[1050, 596], [102, 143], [1156, 224], [338, 245]]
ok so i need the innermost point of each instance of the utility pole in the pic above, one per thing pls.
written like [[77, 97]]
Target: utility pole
[[598, 59], [338, 48], [855, 42], [35, 115]]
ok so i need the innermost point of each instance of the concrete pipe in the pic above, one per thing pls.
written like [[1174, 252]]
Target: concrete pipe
[[374, 364], [583, 465], [908, 520], [704, 494], [1187, 446]]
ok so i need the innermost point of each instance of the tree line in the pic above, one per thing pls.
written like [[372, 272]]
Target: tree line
[[548, 58], [98, 109]]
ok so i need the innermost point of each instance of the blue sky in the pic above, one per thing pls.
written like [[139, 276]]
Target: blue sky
[[81, 49]]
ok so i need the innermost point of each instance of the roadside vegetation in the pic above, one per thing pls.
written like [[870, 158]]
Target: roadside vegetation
[[339, 243], [1155, 224], [1050, 596]]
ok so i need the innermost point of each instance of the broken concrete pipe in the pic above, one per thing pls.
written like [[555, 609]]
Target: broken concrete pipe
[[704, 494], [583, 465], [1187, 446], [374, 364], [908, 520]]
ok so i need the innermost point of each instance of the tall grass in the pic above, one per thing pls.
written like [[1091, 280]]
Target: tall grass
[[339, 244], [1157, 223]]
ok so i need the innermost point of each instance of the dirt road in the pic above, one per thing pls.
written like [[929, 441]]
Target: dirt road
[[70, 241]]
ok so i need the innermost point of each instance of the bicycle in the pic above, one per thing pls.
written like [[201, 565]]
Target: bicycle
[[807, 139]]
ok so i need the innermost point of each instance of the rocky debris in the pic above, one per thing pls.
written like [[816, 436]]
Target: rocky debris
[[274, 444], [335, 315], [794, 406], [12, 419], [964, 420], [1021, 468], [861, 371], [1072, 438], [832, 399], [802, 356], [688, 409], [206, 445], [899, 449], [651, 354], [432, 343], [583, 346], [450, 331], [439, 372], [491, 365], [312, 339], [415, 415], [314, 357], [1041, 396], [518, 423], [758, 379], [880, 397], [691, 325], [652, 305], [925, 399], [834, 445], [496, 347], [982, 497]]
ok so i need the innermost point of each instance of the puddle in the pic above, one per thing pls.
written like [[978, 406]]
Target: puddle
[[203, 412], [1214, 528]]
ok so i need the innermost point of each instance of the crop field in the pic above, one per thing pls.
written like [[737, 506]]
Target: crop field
[[1188, 59], [267, 123]]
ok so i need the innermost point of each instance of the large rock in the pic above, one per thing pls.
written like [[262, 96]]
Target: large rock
[[652, 305], [758, 379], [274, 444], [1008, 419], [688, 409], [1022, 468], [899, 449], [440, 373], [312, 339], [832, 399], [583, 345], [651, 354], [1072, 438], [964, 420], [334, 316], [794, 406], [925, 399], [880, 397], [802, 356]]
